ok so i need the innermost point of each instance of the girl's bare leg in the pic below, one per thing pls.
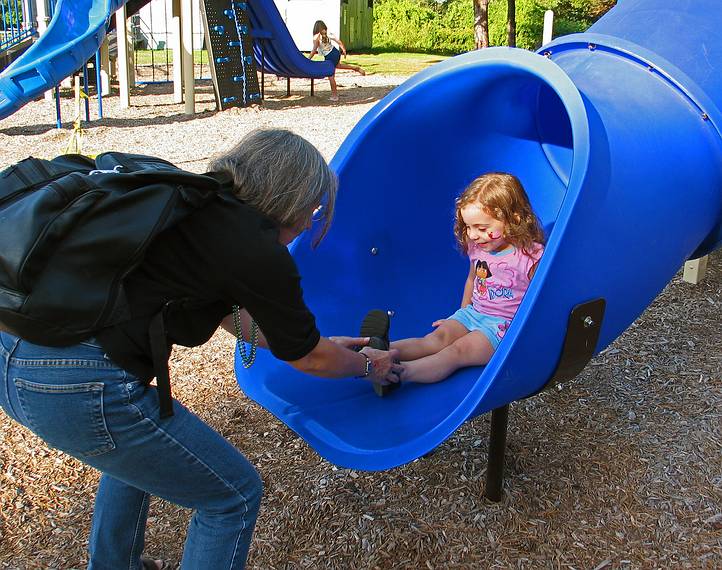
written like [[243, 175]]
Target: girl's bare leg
[[355, 68], [332, 81], [473, 349], [442, 336]]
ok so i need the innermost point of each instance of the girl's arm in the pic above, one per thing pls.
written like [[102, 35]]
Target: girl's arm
[[468, 290], [532, 270], [469, 286], [340, 45], [314, 51], [535, 257]]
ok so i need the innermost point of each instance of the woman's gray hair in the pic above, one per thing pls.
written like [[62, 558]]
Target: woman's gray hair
[[282, 175]]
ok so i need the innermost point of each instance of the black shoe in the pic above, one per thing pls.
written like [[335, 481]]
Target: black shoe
[[376, 326]]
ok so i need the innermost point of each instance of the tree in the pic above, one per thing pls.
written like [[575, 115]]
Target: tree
[[600, 7], [511, 22], [481, 24]]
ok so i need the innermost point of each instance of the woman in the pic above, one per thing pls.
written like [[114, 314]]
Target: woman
[[94, 401]]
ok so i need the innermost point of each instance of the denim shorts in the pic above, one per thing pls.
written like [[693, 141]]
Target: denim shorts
[[492, 327], [334, 55]]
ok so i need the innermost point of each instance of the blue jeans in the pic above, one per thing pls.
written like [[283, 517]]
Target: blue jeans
[[80, 402]]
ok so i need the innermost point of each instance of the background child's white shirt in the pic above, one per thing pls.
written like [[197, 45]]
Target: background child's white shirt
[[325, 48]]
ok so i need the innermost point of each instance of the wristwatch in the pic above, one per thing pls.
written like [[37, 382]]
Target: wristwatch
[[368, 368]]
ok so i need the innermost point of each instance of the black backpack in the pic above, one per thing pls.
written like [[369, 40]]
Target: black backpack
[[72, 228]]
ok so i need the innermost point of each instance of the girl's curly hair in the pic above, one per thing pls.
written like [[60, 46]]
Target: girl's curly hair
[[501, 196]]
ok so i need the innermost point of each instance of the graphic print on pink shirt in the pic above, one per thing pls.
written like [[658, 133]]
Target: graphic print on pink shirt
[[501, 279], [482, 274]]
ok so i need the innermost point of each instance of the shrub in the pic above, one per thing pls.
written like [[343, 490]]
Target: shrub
[[405, 25], [447, 26]]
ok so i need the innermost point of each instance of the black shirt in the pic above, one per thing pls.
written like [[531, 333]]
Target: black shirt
[[224, 254]]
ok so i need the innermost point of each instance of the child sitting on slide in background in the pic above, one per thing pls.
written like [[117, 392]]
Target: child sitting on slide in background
[[322, 43], [496, 227]]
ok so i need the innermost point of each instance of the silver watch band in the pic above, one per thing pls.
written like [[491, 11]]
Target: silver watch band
[[368, 368]]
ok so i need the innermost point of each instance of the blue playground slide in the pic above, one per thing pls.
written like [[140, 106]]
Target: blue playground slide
[[74, 35], [79, 26], [615, 134]]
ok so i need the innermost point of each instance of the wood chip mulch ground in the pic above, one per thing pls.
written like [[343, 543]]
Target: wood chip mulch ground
[[620, 468]]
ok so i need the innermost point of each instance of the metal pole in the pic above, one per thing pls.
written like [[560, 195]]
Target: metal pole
[[497, 446], [85, 90], [43, 20], [152, 47], [58, 122], [263, 70], [548, 27], [166, 46], [15, 26], [123, 75], [99, 83], [30, 21], [187, 47], [105, 67], [177, 53]]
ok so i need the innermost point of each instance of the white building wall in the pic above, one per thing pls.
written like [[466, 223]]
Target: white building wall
[[160, 13], [300, 15]]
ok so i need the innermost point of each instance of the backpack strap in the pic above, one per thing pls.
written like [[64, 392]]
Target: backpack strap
[[33, 173], [159, 350], [127, 162]]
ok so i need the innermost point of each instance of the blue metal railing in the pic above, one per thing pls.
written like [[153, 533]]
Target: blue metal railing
[[17, 22]]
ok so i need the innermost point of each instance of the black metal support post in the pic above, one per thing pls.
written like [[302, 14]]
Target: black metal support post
[[288, 86], [263, 72], [312, 87], [497, 447]]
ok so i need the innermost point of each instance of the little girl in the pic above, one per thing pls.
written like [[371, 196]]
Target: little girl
[[502, 236], [322, 44]]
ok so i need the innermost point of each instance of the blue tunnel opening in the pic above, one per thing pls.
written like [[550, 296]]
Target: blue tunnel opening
[[391, 246]]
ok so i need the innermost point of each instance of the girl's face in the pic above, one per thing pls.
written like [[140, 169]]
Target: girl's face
[[484, 230]]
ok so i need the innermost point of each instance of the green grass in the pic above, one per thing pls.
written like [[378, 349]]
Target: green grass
[[385, 63], [146, 56], [392, 63]]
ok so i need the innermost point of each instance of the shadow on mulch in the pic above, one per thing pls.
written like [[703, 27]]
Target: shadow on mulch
[[275, 100]]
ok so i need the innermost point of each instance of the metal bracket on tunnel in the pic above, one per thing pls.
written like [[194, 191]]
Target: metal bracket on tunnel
[[585, 322]]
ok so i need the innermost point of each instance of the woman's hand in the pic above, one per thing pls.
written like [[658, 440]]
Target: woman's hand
[[385, 368], [438, 323]]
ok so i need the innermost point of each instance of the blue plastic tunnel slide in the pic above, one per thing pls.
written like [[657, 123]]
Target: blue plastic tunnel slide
[[615, 134]]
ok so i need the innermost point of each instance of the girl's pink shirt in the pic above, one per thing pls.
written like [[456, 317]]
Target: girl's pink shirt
[[501, 279]]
